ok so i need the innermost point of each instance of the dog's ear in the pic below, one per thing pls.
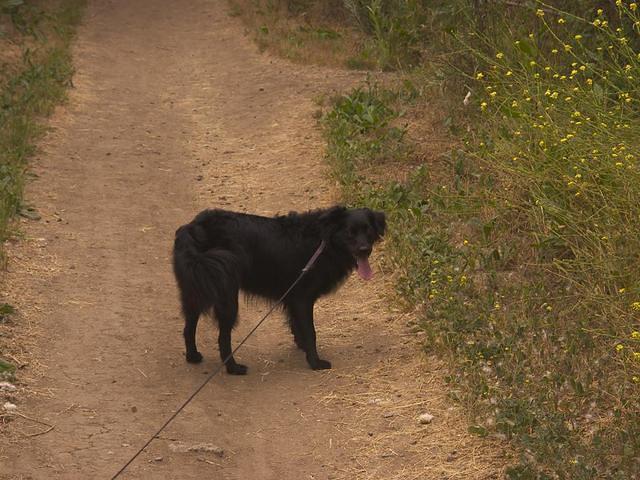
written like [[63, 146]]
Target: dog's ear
[[379, 222], [331, 220]]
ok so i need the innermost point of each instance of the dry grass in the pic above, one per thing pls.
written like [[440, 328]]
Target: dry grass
[[20, 333], [316, 36], [386, 437]]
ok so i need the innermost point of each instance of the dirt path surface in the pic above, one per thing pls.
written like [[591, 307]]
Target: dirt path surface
[[174, 111]]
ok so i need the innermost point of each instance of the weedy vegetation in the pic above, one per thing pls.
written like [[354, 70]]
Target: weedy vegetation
[[35, 71]]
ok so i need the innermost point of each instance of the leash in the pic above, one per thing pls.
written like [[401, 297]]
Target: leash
[[306, 268]]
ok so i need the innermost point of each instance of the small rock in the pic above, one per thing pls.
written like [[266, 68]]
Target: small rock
[[157, 459], [9, 407], [198, 447], [388, 414], [30, 213], [452, 456], [425, 418], [7, 387]]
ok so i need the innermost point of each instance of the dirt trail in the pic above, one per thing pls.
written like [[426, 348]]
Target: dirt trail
[[175, 111]]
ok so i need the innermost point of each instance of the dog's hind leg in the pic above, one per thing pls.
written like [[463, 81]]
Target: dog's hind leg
[[191, 317], [227, 315], [301, 318], [297, 335]]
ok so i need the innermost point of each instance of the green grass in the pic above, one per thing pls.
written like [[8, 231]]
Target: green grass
[[30, 87], [520, 247], [356, 34]]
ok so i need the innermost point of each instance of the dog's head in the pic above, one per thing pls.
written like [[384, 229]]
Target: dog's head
[[354, 230]]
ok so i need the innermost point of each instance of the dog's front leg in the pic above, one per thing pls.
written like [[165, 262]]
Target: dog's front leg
[[301, 316]]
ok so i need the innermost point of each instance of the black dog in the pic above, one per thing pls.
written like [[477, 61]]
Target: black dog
[[221, 252]]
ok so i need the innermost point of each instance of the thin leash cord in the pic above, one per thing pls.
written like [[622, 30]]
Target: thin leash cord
[[307, 267]]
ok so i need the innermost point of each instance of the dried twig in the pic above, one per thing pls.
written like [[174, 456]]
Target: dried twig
[[35, 420]]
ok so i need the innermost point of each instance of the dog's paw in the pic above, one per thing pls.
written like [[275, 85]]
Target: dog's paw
[[321, 365], [237, 369], [194, 357]]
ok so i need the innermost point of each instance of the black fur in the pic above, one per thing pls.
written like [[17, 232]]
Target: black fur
[[222, 252]]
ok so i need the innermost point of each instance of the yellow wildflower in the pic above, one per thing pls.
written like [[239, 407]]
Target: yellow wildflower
[[499, 55], [619, 347]]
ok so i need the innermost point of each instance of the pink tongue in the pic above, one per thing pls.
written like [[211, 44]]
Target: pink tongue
[[364, 270]]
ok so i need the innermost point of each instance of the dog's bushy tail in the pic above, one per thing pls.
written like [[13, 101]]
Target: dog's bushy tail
[[205, 277]]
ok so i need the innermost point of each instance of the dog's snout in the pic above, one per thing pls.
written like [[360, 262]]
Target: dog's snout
[[364, 249]]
